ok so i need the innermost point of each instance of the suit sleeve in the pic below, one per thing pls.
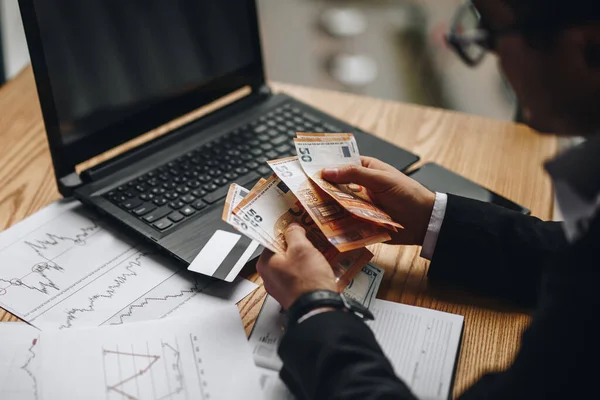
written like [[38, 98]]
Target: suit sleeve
[[493, 251], [334, 355]]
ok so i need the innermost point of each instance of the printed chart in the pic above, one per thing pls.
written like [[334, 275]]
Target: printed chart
[[62, 268]]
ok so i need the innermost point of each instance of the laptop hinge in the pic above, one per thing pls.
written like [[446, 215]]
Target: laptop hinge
[[263, 90], [67, 184]]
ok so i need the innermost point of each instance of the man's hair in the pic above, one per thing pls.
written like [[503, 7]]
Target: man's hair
[[556, 13], [544, 19]]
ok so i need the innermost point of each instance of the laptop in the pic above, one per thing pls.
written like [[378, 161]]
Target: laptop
[[108, 71]]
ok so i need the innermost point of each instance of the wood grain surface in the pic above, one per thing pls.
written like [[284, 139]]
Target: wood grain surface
[[505, 157]]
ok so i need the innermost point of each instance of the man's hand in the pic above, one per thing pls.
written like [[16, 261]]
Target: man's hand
[[405, 200], [300, 270]]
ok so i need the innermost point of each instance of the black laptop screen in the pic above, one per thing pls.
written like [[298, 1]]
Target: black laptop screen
[[107, 61]]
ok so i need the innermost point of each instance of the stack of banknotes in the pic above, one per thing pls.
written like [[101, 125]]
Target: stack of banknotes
[[340, 220]]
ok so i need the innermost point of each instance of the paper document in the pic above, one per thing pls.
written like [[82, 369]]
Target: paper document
[[268, 329], [19, 361], [64, 268], [201, 357], [422, 345]]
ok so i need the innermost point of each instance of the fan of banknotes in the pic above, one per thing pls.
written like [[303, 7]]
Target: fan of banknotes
[[340, 220]]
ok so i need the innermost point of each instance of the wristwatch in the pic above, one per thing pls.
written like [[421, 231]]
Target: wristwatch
[[325, 298]]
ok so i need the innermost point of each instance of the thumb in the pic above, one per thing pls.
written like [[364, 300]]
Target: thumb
[[295, 237], [373, 179]]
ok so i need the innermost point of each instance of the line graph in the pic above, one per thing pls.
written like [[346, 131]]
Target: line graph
[[137, 374], [41, 281], [129, 271], [27, 367], [158, 299]]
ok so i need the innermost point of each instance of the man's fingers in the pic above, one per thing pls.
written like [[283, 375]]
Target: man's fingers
[[374, 163], [295, 236], [372, 179]]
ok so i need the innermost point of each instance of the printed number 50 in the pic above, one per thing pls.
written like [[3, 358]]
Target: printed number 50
[[305, 154]]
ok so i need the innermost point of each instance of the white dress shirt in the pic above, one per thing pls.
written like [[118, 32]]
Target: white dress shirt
[[576, 177]]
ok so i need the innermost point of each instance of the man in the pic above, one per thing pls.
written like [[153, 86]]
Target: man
[[550, 52]]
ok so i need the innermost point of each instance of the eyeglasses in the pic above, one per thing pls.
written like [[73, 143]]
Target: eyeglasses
[[471, 38]]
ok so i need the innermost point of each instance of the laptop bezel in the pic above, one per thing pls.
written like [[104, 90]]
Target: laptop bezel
[[65, 159]]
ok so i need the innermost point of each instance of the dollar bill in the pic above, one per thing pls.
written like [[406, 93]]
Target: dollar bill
[[319, 151], [273, 207], [365, 285], [340, 228], [241, 222], [269, 327]]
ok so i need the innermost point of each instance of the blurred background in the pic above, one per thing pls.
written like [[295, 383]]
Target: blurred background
[[390, 49]]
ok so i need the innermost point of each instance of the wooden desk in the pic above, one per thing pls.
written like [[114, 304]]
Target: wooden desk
[[502, 156]]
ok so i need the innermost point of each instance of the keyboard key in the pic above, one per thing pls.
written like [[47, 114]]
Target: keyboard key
[[256, 151], [266, 146], [182, 189], [254, 142], [210, 187], [193, 184], [122, 188], [162, 224], [157, 214], [153, 182], [199, 192], [175, 216], [260, 129], [273, 132], [187, 211], [271, 154], [188, 198], [231, 175], [276, 141], [158, 190], [145, 208], [261, 159], [176, 205], [263, 138], [246, 157], [192, 174], [146, 196], [180, 179], [264, 170], [252, 165], [131, 204], [141, 188], [171, 195], [199, 205], [283, 148], [221, 181], [169, 185], [204, 178], [161, 201], [241, 171], [215, 172], [311, 118]]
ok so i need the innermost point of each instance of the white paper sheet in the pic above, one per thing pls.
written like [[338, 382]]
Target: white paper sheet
[[204, 357], [422, 345], [62, 268], [19, 362]]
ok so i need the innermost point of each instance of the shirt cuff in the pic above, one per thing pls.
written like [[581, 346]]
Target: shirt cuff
[[435, 224]]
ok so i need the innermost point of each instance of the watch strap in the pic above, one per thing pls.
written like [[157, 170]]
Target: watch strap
[[325, 298]]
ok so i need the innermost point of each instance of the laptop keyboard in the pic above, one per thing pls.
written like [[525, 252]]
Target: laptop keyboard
[[183, 187]]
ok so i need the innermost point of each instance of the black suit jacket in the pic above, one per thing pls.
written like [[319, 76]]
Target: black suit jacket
[[494, 252]]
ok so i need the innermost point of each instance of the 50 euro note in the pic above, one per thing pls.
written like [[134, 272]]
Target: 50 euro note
[[340, 228], [273, 207], [243, 223], [318, 151]]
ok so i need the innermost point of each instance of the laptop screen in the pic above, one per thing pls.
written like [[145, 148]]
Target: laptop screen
[[108, 63]]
